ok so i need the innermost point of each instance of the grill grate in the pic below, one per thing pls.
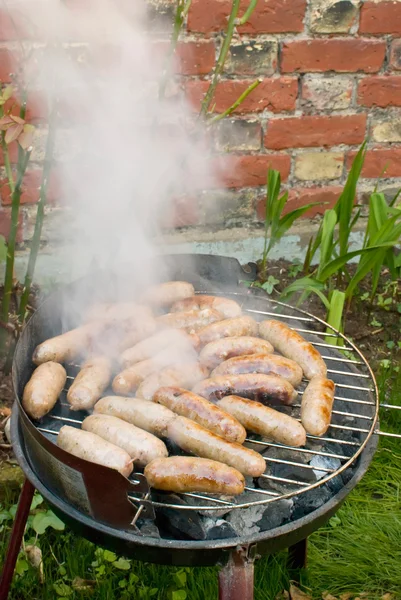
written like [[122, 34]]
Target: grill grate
[[346, 367]]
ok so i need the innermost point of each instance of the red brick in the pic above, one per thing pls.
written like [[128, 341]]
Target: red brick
[[36, 108], [269, 16], [13, 25], [184, 212], [12, 151], [5, 223], [31, 188], [304, 132], [381, 17], [326, 196], [380, 91], [196, 58], [237, 171], [377, 160], [340, 55], [276, 95], [8, 65], [395, 55]]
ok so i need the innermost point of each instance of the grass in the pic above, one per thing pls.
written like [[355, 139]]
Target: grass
[[358, 552]]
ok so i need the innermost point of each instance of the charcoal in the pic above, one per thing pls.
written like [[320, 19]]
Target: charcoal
[[340, 449], [245, 521], [183, 524], [219, 529], [324, 462], [335, 484], [276, 514], [149, 529], [286, 471], [309, 501]]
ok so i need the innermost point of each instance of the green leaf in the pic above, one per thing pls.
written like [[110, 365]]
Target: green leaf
[[36, 501], [287, 220], [62, 570], [21, 566], [180, 578], [13, 510], [62, 589], [5, 516], [335, 316], [109, 556], [122, 583], [133, 578], [327, 245], [390, 344], [307, 285], [43, 520], [122, 564], [335, 265], [153, 592], [178, 595]]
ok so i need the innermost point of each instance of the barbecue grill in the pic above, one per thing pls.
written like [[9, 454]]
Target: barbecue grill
[[299, 491]]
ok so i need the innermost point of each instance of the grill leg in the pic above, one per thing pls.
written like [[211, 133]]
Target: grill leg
[[236, 578], [298, 555], [17, 533]]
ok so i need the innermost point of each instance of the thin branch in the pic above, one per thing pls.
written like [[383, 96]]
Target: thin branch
[[180, 16], [248, 13], [237, 103]]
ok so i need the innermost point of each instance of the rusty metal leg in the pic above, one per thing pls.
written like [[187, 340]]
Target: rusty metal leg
[[298, 555], [17, 533], [236, 578]]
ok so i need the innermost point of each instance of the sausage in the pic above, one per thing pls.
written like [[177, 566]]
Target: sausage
[[187, 474], [228, 328], [67, 346], [117, 311], [225, 306], [165, 294], [265, 421], [89, 384], [269, 364], [43, 389], [93, 448], [202, 411], [185, 376], [317, 404], [130, 332], [255, 386], [293, 346], [222, 349], [194, 438], [143, 447], [145, 415], [191, 320], [159, 341]]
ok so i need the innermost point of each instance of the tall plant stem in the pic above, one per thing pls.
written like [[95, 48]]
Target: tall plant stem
[[6, 156], [40, 213], [180, 16], [235, 105]]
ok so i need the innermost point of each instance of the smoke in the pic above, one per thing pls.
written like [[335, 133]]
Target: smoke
[[125, 155]]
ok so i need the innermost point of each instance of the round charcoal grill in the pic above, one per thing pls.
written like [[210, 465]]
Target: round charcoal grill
[[111, 510]]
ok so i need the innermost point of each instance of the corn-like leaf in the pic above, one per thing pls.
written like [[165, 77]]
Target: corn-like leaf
[[335, 316], [338, 263], [308, 256], [327, 244], [285, 222], [307, 285]]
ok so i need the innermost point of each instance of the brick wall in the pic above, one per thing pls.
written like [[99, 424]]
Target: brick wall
[[330, 78]]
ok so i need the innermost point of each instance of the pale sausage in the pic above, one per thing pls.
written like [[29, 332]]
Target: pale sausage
[[156, 343], [165, 294], [191, 320], [228, 328], [225, 306], [89, 384], [222, 349], [43, 389], [185, 376], [317, 404]]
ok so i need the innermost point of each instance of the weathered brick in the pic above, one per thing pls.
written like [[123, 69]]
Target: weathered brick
[[303, 132], [380, 91], [318, 165], [226, 207], [12, 151], [395, 55], [269, 16], [31, 187], [333, 16], [182, 212], [379, 162], [160, 15], [380, 17], [345, 55], [238, 135], [238, 171], [327, 93], [252, 57], [298, 197], [276, 95], [195, 57], [387, 129]]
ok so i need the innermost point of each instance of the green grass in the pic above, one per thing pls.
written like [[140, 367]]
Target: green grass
[[359, 551]]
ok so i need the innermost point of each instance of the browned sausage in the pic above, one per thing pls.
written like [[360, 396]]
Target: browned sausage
[[202, 411], [228, 328], [156, 343], [194, 438], [225, 306], [90, 383], [68, 346], [317, 404], [293, 346], [165, 294], [145, 415], [222, 349], [143, 447], [184, 376], [43, 389], [263, 388], [264, 420], [93, 448], [187, 474], [269, 364], [191, 320]]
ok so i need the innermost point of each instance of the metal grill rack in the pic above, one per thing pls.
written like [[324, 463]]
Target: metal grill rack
[[355, 413]]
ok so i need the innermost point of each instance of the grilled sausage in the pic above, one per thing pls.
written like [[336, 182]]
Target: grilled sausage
[[93, 448], [194, 438], [293, 346], [228, 328], [130, 332], [165, 294], [43, 389], [145, 415], [142, 446], [187, 474], [264, 420], [317, 404], [117, 311], [269, 364], [67, 346], [202, 411], [130, 378], [185, 376], [263, 388], [156, 343], [89, 384], [222, 349], [191, 320], [225, 306]]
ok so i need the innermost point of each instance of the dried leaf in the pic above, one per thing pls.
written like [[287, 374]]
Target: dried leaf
[[328, 596], [297, 594], [5, 122], [284, 595], [346, 596], [26, 138], [12, 133], [387, 596], [17, 120], [83, 585], [34, 556]]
